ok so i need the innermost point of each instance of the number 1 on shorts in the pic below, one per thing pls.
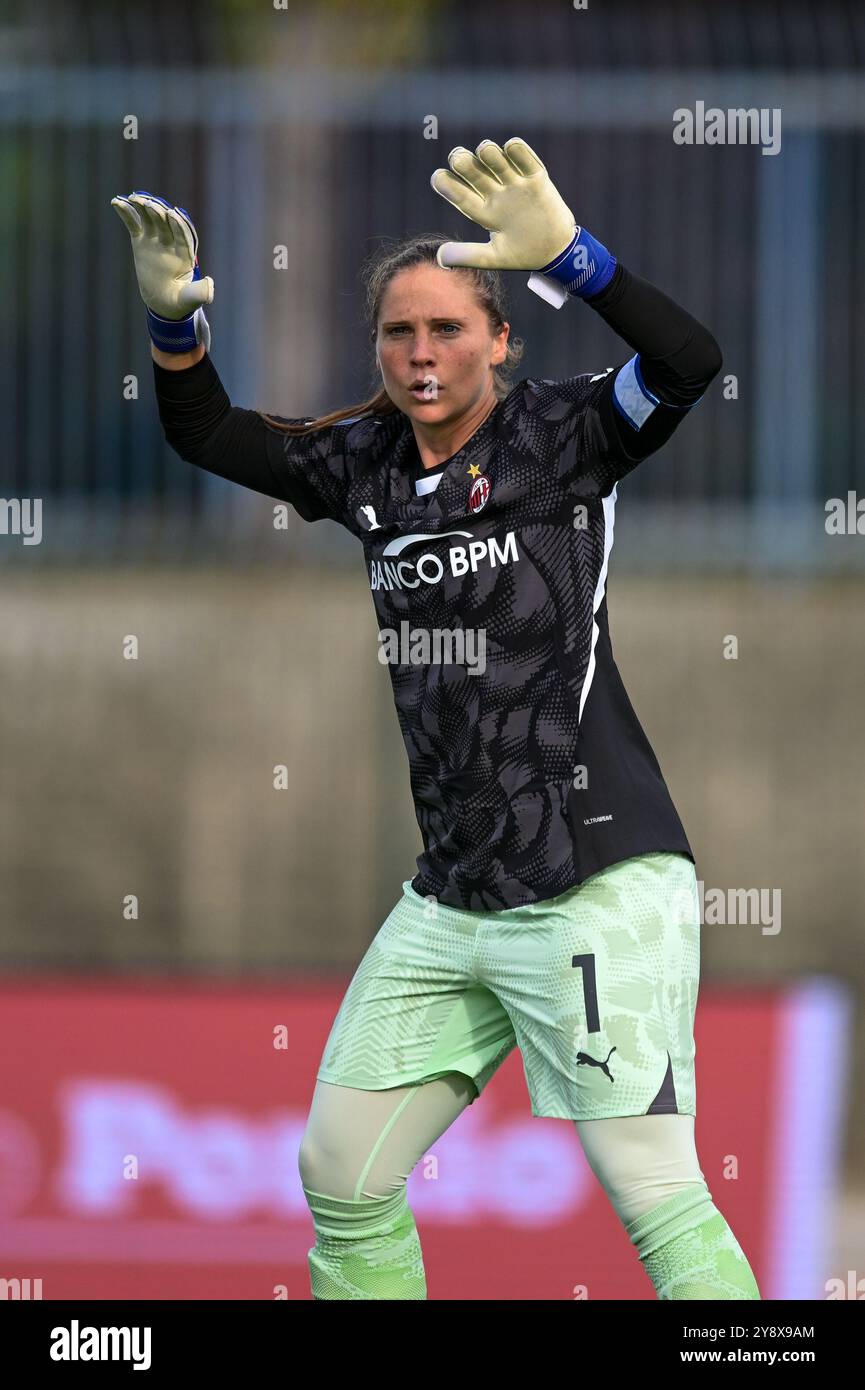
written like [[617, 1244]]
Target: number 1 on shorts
[[590, 990]]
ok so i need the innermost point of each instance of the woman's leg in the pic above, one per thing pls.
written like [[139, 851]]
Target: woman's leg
[[648, 1166], [355, 1157]]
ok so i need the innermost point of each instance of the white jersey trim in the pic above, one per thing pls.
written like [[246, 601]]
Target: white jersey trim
[[609, 517], [425, 485]]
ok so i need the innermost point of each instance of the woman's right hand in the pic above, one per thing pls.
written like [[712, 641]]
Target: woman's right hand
[[165, 251]]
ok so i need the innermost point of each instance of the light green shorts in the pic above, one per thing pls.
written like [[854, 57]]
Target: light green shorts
[[597, 988]]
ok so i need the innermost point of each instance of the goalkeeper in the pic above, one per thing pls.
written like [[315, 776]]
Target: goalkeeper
[[555, 905]]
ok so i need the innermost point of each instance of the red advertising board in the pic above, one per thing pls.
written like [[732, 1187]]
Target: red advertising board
[[149, 1136]]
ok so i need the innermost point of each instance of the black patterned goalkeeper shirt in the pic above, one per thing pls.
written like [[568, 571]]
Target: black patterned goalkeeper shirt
[[529, 768]]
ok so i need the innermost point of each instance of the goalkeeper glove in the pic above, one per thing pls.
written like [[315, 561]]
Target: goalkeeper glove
[[508, 191], [165, 249]]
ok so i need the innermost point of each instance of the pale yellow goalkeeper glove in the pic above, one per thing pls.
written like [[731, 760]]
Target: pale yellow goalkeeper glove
[[165, 251], [507, 190]]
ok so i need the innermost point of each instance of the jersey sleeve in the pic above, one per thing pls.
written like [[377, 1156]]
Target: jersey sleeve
[[598, 428], [625, 419], [613, 420], [609, 422], [311, 472]]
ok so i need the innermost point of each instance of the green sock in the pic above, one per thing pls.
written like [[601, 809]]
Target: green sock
[[689, 1251], [365, 1249]]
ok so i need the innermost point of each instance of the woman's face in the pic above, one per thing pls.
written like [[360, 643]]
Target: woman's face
[[435, 346]]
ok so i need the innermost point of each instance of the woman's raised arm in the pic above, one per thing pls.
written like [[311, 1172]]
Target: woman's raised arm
[[310, 471]]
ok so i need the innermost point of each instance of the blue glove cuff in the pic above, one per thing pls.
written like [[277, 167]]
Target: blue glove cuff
[[179, 335], [584, 268], [172, 335]]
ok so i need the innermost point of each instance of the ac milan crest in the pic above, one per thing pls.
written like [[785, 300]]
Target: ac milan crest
[[480, 494]]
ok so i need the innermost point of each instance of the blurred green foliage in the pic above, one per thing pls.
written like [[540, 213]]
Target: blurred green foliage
[[368, 34]]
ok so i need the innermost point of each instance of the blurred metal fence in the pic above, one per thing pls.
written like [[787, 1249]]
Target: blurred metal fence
[[327, 160]]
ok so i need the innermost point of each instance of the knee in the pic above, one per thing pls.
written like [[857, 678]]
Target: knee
[[642, 1161], [309, 1162], [333, 1171], [323, 1169]]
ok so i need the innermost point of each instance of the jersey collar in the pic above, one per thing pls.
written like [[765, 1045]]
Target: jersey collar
[[451, 497]]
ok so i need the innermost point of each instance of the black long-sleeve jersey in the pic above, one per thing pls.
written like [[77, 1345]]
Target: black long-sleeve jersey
[[529, 768]]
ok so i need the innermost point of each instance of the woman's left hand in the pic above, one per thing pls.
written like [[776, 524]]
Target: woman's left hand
[[507, 191]]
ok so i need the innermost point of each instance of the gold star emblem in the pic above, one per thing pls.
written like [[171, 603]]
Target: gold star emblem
[[474, 471]]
